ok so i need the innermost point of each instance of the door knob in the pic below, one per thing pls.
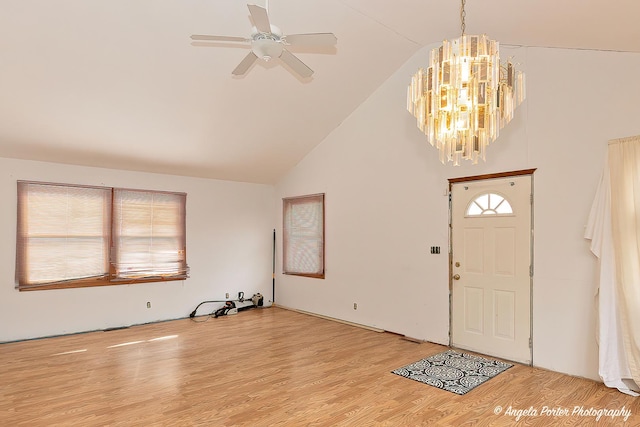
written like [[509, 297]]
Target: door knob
[[456, 277]]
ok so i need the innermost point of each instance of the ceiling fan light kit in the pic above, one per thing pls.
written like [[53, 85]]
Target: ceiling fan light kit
[[268, 42]]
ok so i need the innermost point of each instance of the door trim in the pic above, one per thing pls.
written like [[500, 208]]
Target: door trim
[[486, 177], [491, 176]]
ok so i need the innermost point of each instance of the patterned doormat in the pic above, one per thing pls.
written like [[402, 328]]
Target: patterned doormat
[[453, 371]]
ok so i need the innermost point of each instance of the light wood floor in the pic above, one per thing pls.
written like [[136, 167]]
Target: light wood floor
[[267, 367]]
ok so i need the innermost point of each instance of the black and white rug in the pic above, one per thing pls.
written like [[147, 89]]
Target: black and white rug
[[453, 371]]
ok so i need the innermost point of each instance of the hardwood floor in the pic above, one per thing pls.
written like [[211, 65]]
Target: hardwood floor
[[268, 367]]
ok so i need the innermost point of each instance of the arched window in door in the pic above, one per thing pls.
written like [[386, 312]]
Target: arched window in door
[[489, 204]]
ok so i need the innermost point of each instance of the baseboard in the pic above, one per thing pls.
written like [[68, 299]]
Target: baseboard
[[411, 339], [370, 328]]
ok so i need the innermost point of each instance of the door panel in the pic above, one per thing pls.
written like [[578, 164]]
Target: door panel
[[505, 251], [491, 255], [504, 303], [473, 255], [474, 310]]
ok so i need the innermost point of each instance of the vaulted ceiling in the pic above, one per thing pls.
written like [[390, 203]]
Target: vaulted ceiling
[[119, 83]]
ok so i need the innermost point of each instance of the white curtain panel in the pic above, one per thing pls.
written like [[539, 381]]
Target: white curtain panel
[[613, 338], [624, 169]]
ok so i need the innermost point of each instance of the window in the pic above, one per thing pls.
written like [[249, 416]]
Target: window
[[75, 236], [148, 234], [489, 204], [303, 230]]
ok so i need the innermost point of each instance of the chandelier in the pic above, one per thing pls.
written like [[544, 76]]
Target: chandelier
[[465, 96]]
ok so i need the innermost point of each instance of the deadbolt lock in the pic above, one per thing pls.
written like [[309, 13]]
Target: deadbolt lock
[[457, 264], [456, 277]]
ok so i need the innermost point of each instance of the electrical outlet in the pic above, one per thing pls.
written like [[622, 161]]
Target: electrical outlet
[[355, 305], [226, 295], [148, 304]]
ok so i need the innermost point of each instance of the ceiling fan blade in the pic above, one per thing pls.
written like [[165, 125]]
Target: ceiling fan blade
[[260, 18], [312, 39], [296, 65], [219, 38], [244, 65]]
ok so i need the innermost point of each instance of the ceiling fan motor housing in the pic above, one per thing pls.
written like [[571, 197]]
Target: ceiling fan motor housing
[[267, 45]]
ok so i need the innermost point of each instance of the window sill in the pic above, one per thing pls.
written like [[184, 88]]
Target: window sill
[[97, 283]]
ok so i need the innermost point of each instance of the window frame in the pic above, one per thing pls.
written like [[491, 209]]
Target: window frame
[[483, 213], [110, 278], [311, 198]]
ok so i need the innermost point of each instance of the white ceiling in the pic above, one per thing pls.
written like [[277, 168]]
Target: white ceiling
[[119, 84]]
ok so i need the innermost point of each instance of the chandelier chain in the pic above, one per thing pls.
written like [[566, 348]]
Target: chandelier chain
[[463, 15]]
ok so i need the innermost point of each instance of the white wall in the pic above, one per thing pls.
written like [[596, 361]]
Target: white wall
[[229, 246], [385, 203]]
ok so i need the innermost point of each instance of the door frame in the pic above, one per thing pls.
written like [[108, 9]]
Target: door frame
[[487, 177]]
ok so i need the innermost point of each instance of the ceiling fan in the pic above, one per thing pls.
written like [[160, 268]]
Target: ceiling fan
[[267, 42]]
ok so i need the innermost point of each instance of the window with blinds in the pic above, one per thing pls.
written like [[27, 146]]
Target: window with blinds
[[148, 234], [63, 234], [303, 231], [75, 236]]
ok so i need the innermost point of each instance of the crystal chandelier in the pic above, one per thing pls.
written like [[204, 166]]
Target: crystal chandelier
[[465, 96]]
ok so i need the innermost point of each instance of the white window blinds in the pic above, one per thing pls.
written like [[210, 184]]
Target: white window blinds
[[148, 234], [63, 233], [303, 231], [75, 236]]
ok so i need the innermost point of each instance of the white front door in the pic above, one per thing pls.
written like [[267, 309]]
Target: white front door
[[491, 259]]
